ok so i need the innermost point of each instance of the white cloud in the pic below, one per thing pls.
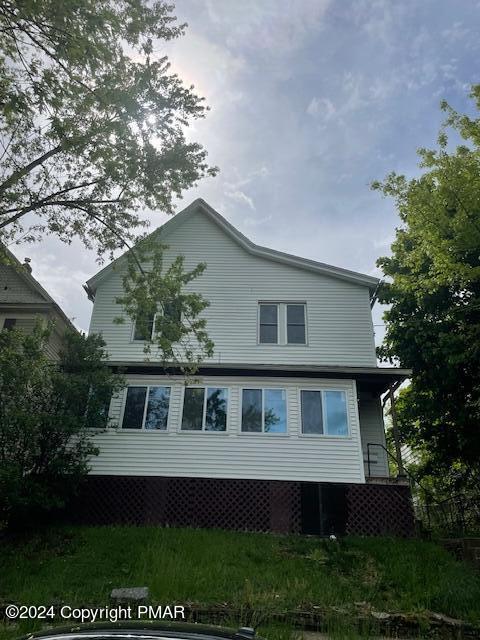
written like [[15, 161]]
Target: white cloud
[[269, 25], [321, 107], [240, 196]]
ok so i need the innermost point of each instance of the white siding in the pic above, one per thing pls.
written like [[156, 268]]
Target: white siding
[[372, 431], [339, 322], [233, 454]]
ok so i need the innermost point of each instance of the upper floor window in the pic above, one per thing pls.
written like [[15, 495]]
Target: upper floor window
[[282, 323], [145, 330], [146, 408], [205, 409], [264, 410], [324, 412], [268, 318]]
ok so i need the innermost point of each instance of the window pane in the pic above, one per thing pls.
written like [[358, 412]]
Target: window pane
[[268, 334], [216, 415], [268, 323], [275, 411], [295, 314], [134, 406], [157, 408], [173, 311], [252, 410], [336, 413], [268, 314], [193, 408], [295, 334], [312, 421], [9, 323], [144, 328], [296, 324]]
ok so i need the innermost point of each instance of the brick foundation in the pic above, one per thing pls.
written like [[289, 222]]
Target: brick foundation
[[253, 505]]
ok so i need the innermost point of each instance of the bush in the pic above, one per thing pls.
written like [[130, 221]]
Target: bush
[[46, 412]]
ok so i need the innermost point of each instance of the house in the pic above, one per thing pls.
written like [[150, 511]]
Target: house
[[24, 302], [282, 428]]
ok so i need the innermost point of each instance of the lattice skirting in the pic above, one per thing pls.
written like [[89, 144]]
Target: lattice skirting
[[252, 505], [379, 510]]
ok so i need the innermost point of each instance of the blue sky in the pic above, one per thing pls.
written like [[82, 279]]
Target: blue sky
[[310, 101]]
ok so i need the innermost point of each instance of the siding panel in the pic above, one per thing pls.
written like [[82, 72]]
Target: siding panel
[[233, 454], [339, 324]]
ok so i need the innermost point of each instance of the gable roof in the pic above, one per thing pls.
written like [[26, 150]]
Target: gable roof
[[200, 206], [22, 271]]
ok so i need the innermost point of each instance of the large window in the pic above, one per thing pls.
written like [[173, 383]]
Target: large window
[[324, 412], [205, 409], [282, 323], [264, 410], [146, 408]]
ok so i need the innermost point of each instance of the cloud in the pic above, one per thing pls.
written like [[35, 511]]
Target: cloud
[[240, 196], [322, 107], [269, 26]]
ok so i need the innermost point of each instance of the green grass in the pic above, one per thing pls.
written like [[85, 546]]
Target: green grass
[[80, 566]]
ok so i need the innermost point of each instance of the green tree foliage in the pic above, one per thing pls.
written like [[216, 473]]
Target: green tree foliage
[[45, 413], [92, 130], [91, 120], [433, 289], [165, 310]]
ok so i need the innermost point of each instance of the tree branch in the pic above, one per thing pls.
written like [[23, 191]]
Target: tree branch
[[20, 173]]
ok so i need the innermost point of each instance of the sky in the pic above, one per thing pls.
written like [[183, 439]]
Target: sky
[[311, 100]]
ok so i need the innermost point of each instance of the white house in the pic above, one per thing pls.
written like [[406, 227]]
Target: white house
[[282, 428]]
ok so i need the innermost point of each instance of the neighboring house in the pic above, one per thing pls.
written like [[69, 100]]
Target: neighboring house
[[23, 302], [274, 432]]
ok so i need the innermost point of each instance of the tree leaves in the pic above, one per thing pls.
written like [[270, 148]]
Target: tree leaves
[[433, 286], [91, 120]]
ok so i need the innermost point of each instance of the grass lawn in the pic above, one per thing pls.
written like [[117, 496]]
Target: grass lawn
[[80, 566]]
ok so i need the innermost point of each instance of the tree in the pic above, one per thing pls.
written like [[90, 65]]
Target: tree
[[92, 126], [433, 289], [166, 313], [46, 414], [91, 121]]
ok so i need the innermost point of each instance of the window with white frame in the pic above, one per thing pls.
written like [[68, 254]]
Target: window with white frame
[[205, 409], [282, 323], [324, 412], [264, 411], [143, 330], [172, 312], [146, 407]]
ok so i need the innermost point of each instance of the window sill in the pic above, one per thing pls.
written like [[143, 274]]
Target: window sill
[[262, 434], [279, 344], [198, 431], [324, 436], [162, 431]]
